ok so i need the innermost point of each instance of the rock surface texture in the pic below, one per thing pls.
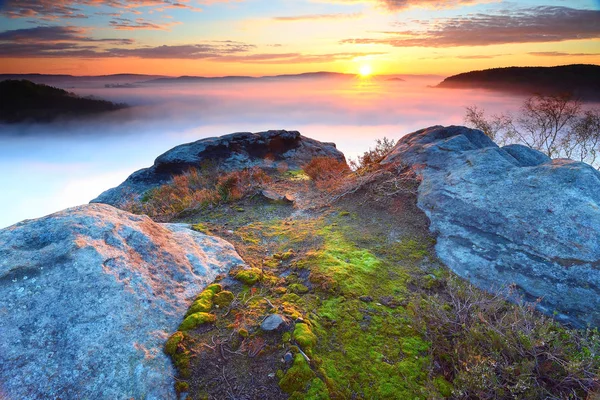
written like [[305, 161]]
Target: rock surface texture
[[270, 149], [88, 297], [511, 215]]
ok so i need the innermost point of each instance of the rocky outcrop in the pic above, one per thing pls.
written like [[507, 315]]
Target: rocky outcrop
[[271, 149], [88, 297], [511, 216]]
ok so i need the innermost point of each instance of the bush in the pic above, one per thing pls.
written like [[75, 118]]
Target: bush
[[325, 169], [491, 349], [197, 189], [372, 157], [557, 125]]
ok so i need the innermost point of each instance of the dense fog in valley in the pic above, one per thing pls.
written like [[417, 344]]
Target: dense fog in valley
[[49, 167]]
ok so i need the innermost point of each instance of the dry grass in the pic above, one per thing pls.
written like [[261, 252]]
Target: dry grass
[[491, 349], [326, 169], [195, 190]]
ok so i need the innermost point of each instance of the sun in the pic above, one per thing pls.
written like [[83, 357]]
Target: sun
[[365, 70]]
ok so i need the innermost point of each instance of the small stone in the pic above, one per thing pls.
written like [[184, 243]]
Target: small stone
[[271, 195], [272, 322], [366, 299], [288, 357]]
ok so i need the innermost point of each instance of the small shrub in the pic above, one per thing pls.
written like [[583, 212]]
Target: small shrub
[[197, 189], [373, 156], [326, 168]]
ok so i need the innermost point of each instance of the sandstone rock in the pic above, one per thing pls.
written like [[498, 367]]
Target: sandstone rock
[[274, 196], [272, 322], [88, 298], [270, 149], [511, 215]]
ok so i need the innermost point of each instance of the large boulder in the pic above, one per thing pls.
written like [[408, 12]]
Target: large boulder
[[270, 149], [511, 216], [88, 297]]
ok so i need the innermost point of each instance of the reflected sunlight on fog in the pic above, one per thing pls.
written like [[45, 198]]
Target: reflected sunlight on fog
[[46, 168]]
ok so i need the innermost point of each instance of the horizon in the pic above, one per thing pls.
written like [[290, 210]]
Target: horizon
[[258, 38], [276, 75]]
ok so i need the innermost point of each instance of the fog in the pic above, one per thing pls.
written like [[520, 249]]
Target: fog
[[48, 167]]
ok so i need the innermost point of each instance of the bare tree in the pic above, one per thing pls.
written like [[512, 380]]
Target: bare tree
[[556, 125]]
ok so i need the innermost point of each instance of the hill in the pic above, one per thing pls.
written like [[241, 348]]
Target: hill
[[581, 80], [23, 100]]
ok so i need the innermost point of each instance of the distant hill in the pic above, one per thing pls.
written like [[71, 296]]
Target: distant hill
[[581, 80], [23, 100], [306, 75]]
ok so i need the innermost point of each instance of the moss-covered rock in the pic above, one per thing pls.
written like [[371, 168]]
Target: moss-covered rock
[[173, 342], [197, 319], [249, 276], [223, 298], [304, 336], [297, 378]]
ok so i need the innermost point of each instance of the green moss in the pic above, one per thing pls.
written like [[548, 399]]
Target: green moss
[[443, 386], [243, 333], [249, 276], [196, 319], [203, 303], [344, 214], [297, 378], [298, 288], [200, 227], [284, 256], [304, 336], [173, 342], [181, 387], [215, 288], [223, 298], [316, 391]]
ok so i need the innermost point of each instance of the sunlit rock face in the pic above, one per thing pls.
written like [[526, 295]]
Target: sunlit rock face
[[88, 297], [511, 215], [270, 149]]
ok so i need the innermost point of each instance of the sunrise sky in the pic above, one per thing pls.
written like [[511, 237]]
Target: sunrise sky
[[262, 37]]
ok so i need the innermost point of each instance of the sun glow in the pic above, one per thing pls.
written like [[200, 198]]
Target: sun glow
[[365, 71]]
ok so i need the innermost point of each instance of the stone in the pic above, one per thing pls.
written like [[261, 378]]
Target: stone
[[366, 299], [270, 150], [511, 216], [89, 297], [288, 357], [272, 322], [276, 197]]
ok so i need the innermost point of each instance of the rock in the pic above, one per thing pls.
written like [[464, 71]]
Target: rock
[[274, 196], [270, 149], [288, 357], [272, 322], [511, 215], [89, 296], [366, 299]]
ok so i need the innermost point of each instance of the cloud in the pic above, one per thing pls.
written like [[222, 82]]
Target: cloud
[[139, 23], [312, 17], [69, 41], [188, 51], [67, 9], [293, 58], [43, 34], [527, 25], [559, 54], [399, 5]]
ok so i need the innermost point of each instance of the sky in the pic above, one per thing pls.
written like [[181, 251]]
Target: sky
[[266, 37]]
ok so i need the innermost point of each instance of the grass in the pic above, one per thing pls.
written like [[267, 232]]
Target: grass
[[364, 320]]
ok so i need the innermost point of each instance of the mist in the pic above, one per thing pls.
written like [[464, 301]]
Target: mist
[[45, 168]]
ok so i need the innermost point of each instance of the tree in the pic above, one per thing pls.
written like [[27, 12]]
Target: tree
[[557, 125]]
